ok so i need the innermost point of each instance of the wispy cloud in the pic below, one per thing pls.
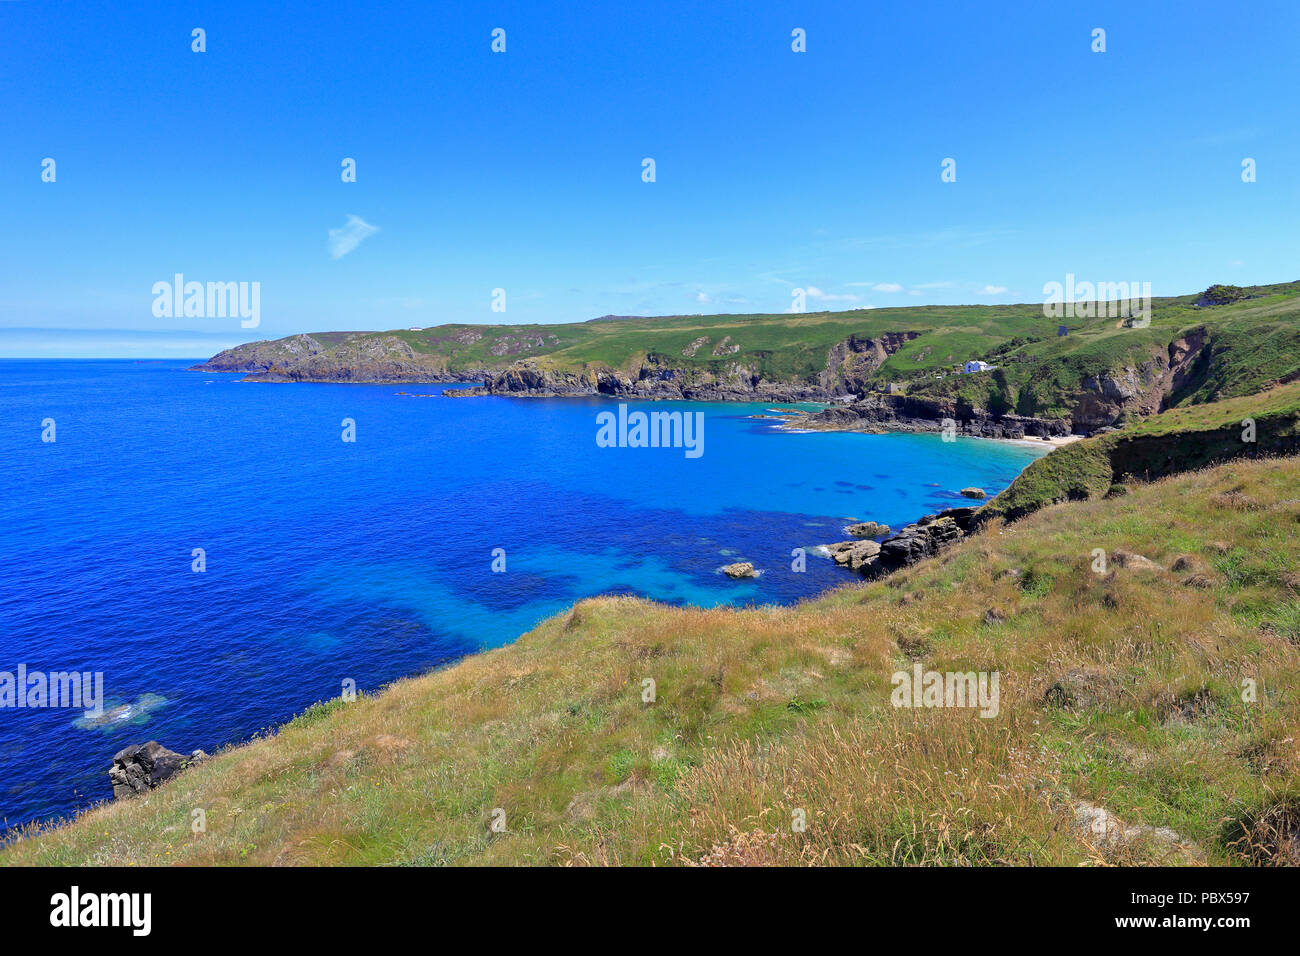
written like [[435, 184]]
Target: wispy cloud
[[346, 238], [993, 290], [816, 293]]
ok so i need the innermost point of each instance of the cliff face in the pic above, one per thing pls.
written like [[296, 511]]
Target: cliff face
[[336, 357], [1101, 375], [848, 366], [1099, 401], [852, 362], [916, 413], [651, 379], [1144, 389], [512, 370]]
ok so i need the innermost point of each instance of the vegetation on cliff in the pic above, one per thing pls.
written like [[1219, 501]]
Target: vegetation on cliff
[[1179, 440], [1104, 371]]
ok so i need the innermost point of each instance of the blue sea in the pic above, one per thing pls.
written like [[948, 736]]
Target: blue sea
[[371, 560]]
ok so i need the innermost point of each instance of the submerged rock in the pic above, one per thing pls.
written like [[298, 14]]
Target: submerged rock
[[141, 767]]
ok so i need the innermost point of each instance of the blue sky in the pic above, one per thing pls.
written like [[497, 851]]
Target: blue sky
[[775, 170]]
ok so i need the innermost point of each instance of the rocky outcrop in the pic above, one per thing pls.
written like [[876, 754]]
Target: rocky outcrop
[[141, 767], [852, 362], [731, 375], [924, 539], [741, 569], [655, 377], [355, 357], [867, 529], [260, 356], [922, 414], [1142, 389], [855, 555]]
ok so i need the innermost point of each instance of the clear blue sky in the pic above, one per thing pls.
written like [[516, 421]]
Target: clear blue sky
[[522, 170]]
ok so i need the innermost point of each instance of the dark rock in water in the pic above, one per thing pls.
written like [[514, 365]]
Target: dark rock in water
[[928, 536], [973, 493], [918, 541], [141, 767]]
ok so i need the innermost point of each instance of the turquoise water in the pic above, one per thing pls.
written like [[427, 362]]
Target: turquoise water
[[367, 561]]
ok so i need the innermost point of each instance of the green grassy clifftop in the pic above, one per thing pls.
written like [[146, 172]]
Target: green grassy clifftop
[[1101, 373]]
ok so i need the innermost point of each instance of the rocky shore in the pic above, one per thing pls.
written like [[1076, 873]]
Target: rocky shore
[[652, 380], [926, 538], [918, 414]]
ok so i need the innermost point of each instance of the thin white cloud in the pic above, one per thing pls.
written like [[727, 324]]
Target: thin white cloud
[[993, 290], [346, 238], [887, 287], [816, 293]]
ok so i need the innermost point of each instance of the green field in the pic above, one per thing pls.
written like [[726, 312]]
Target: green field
[[1237, 348]]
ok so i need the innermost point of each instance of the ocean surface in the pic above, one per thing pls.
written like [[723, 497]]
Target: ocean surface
[[370, 560]]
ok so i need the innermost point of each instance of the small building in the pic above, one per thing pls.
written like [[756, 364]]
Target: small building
[[893, 388], [975, 366]]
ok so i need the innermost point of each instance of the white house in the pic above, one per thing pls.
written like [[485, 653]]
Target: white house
[[976, 366]]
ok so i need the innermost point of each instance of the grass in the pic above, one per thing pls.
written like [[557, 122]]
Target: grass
[[1177, 440], [1250, 344], [769, 736]]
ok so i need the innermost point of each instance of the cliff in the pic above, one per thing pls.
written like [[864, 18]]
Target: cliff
[[894, 368]]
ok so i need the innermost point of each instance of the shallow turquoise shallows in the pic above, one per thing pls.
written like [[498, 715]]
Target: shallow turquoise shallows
[[328, 561]]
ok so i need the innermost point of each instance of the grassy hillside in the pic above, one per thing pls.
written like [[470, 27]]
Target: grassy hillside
[[1250, 344], [1121, 694], [1236, 348], [1180, 439]]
